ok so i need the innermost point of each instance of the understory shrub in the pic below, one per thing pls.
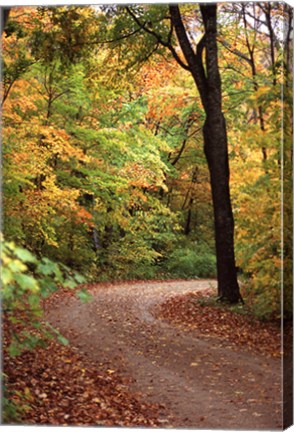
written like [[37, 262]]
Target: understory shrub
[[191, 263], [25, 281]]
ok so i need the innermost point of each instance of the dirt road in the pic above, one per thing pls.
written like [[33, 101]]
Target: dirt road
[[201, 383]]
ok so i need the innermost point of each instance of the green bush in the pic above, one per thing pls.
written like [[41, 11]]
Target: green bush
[[190, 263], [25, 282]]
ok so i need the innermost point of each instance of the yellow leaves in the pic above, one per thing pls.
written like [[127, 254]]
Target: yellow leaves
[[263, 90], [28, 395], [255, 187], [34, 148], [56, 197], [138, 175], [57, 142], [23, 97]]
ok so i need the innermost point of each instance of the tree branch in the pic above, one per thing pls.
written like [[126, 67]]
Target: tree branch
[[235, 51], [5, 15], [119, 38], [158, 38], [194, 60]]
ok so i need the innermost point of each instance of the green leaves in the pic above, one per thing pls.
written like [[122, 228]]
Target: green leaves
[[70, 283], [25, 255], [62, 340], [25, 282], [14, 350], [84, 296], [79, 278], [47, 267]]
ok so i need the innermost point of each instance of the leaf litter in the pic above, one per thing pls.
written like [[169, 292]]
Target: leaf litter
[[61, 386], [199, 312], [58, 386]]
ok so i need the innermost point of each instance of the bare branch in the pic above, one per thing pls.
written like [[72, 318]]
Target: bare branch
[[119, 38], [158, 38], [235, 51], [194, 60]]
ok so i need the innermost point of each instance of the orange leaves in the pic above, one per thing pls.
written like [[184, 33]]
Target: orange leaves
[[65, 388], [168, 103], [138, 175], [185, 176], [24, 15], [24, 99], [84, 217], [201, 314], [165, 99], [156, 75]]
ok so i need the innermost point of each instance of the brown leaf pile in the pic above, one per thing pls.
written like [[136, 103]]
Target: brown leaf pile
[[58, 386], [199, 313]]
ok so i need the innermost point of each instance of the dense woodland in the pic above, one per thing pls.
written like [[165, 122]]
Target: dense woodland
[[105, 176]]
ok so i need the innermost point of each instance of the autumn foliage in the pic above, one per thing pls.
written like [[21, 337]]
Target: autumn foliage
[[104, 173]]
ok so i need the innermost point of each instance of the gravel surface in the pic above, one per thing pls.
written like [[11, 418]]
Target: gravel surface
[[200, 383]]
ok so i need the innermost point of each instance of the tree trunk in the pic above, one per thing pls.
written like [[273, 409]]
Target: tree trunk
[[215, 148], [216, 152], [208, 83], [5, 15], [189, 218]]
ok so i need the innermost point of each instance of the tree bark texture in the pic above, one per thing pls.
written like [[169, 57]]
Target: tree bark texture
[[208, 82], [5, 15]]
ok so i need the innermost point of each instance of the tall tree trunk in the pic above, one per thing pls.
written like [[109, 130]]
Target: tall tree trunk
[[208, 83], [215, 147], [5, 11], [187, 229]]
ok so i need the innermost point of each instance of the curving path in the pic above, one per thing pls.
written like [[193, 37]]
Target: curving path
[[200, 383]]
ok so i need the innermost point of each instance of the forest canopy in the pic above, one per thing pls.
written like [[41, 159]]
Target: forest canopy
[[104, 169]]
